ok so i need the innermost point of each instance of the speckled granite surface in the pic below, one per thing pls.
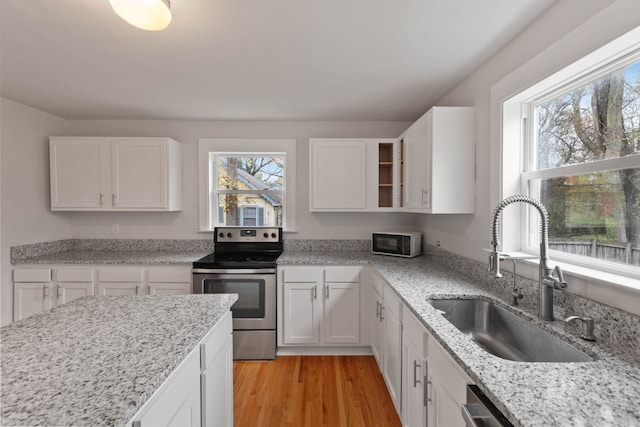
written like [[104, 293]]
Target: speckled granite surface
[[604, 392], [95, 361], [112, 251]]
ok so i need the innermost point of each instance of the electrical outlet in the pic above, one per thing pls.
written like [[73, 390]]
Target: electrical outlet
[[438, 243], [115, 228]]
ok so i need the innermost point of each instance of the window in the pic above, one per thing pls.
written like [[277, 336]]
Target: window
[[246, 188], [580, 154]]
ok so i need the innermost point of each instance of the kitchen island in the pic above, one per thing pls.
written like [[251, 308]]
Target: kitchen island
[[603, 392], [97, 360]]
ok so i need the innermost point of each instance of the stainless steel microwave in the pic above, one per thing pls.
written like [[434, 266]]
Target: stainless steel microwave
[[404, 243]]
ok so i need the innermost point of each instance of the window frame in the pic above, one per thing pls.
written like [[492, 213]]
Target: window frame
[[516, 130], [210, 148]]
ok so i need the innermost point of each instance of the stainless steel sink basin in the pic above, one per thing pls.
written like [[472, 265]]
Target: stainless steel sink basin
[[504, 334]]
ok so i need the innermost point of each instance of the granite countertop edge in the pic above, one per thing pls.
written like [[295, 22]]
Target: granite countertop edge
[[512, 386], [114, 257]]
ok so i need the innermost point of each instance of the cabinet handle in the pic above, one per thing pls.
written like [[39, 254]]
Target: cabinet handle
[[378, 309], [416, 380], [314, 292], [44, 291], [427, 399], [113, 199], [101, 199], [326, 291], [136, 289], [381, 311], [59, 292]]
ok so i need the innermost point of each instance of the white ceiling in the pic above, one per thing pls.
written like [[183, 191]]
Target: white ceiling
[[251, 59]]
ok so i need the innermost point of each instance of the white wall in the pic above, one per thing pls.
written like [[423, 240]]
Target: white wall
[[25, 216], [567, 32], [467, 234], [183, 225]]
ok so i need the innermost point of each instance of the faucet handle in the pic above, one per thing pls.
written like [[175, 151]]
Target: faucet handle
[[557, 281], [587, 325]]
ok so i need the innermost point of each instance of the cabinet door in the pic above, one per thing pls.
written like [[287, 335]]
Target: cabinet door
[[70, 291], [177, 402], [442, 410], [78, 170], [217, 387], [169, 288], [118, 288], [139, 174], [415, 159], [302, 313], [338, 174], [30, 299], [377, 329], [414, 412], [393, 356], [342, 313]]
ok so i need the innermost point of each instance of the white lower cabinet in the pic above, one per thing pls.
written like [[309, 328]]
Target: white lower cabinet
[[216, 378], [387, 337], [321, 305], [177, 401], [169, 281], [37, 289], [414, 371], [30, 299], [32, 292], [200, 391], [73, 283], [447, 387]]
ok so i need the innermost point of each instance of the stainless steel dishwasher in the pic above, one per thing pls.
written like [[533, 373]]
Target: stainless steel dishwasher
[[480, 412]]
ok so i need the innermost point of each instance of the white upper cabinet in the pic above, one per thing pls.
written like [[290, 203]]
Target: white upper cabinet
[[133, 174], [78, 173], [438, 162], [352, 174]]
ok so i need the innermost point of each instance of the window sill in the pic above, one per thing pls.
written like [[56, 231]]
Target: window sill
[[608, 288]]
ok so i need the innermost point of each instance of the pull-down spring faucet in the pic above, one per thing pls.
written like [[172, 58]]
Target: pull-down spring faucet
[[547, 282]]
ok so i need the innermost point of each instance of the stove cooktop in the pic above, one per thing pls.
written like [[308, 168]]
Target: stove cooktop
[[248, 260], [243, 248]]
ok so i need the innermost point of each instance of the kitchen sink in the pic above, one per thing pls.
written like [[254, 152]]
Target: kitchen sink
[[504, 334]]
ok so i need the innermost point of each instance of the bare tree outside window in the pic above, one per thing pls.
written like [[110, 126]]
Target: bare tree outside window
[[597, 213]]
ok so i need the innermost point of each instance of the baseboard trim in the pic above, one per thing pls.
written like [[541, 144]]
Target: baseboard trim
[[324, 351]]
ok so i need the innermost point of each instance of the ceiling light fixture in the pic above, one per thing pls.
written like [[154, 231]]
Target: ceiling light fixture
[[150, 15]]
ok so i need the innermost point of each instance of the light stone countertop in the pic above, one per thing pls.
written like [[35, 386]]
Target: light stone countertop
[[605, 392], [119, 257], [96, 360]]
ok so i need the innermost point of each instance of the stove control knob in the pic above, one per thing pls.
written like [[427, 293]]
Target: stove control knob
[[265, 235], [229, 235], [221, 235], [273, 235]]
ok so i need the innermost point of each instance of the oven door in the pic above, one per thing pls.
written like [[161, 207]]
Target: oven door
[[256, 305]]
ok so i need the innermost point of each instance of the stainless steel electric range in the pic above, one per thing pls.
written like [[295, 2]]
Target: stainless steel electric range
[[244, 262]]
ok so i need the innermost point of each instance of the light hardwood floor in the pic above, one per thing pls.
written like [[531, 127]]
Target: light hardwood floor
[[310, 391]]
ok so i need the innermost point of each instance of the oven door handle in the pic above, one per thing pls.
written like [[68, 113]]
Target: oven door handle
[[233, 271]]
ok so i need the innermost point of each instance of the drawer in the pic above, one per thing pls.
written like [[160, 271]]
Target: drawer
[[302, 274], [32, 275], [413, 329], [342, 274], [169, 275], [73, 275], [120, 275]]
